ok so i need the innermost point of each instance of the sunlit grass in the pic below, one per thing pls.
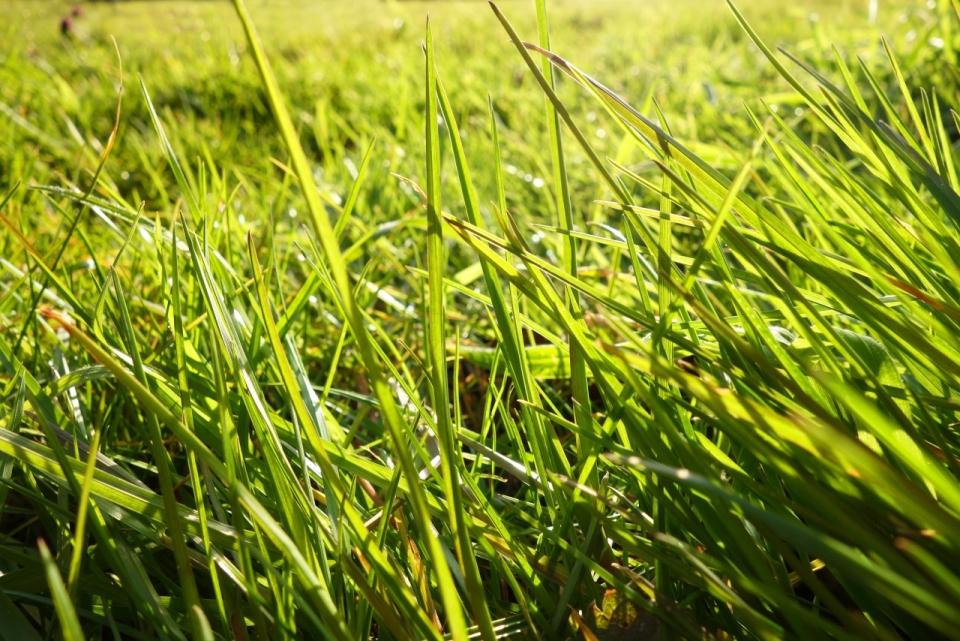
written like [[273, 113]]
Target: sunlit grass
[[480, 327]]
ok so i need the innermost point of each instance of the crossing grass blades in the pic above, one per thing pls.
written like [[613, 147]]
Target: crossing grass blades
[[729, 412]]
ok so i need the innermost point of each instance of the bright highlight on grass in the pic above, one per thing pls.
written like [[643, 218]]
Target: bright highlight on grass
[[651, 387]]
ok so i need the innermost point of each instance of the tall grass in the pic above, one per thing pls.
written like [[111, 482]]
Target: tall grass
[[711, 393]]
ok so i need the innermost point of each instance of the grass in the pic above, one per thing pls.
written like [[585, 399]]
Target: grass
[[362, 329]]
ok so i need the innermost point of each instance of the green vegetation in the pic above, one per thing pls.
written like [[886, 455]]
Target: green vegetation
[[335, 335]]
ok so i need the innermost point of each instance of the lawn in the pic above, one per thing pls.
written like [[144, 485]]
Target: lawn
[[329, 320]]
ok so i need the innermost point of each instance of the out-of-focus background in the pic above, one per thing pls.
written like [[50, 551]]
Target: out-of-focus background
[[353, 70]]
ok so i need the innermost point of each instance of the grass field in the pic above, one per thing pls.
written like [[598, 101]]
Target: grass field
[[381, 327]]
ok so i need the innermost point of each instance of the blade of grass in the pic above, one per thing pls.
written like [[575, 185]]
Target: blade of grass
[[69, 624], [450, 459], [324, 234]]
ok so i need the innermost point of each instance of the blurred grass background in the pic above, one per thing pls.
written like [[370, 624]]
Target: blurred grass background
[[351, 71]]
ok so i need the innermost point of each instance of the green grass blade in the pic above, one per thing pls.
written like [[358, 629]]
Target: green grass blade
[[67, 615], [324, 233], [450, 459]]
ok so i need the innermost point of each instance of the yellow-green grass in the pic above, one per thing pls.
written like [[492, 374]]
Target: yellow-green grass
[[392, 329]]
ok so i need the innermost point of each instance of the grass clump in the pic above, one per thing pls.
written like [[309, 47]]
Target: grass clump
[[699, 383]]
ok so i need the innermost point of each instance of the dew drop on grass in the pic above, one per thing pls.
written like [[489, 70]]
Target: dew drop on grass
[[511, 169], [538, 183], [352, 168], [601, 133]]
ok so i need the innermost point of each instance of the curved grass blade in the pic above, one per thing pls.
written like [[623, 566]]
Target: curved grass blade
[[337, 267]]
